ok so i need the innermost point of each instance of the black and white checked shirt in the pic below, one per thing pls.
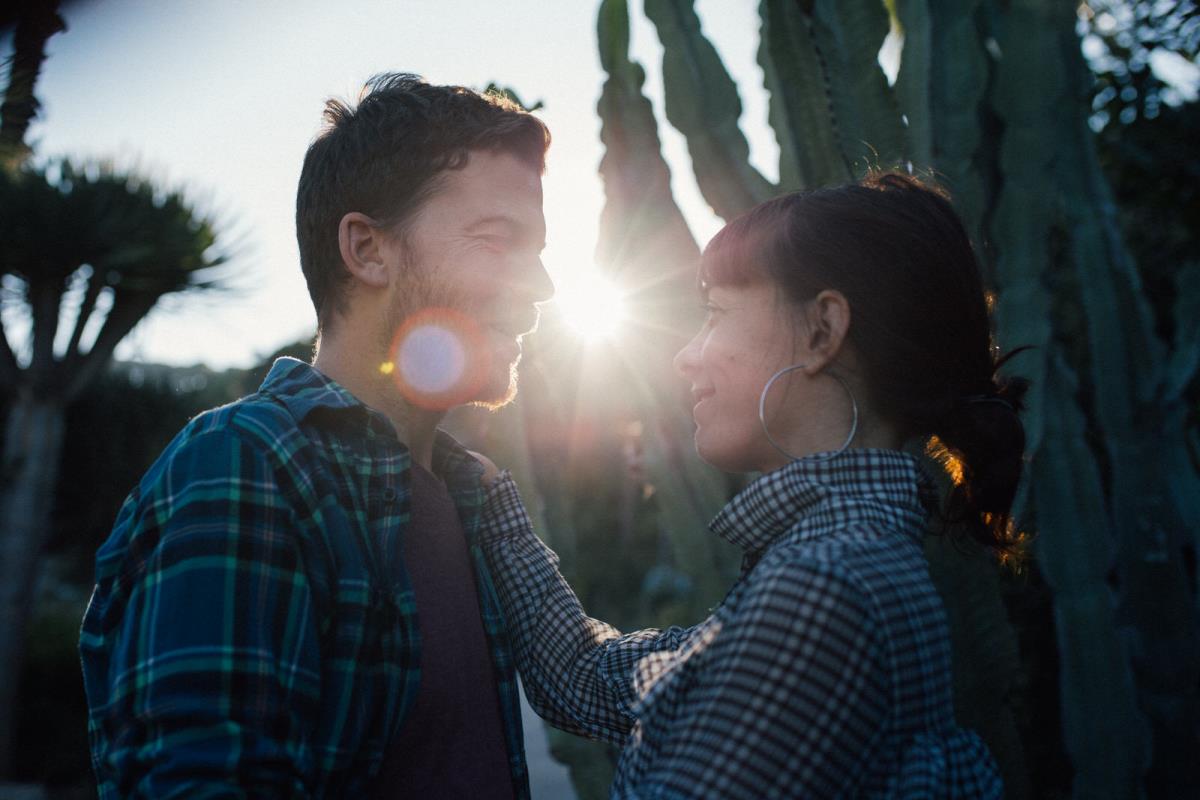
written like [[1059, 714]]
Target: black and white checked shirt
[[825, 672]]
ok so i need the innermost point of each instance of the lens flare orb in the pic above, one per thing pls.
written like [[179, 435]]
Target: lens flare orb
[[438, 359], [431, 359]]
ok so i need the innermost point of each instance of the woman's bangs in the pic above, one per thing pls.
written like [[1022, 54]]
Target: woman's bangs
[[738, 255]]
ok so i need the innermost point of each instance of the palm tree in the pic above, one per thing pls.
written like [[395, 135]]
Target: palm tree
[[35, 22], [85, 254]]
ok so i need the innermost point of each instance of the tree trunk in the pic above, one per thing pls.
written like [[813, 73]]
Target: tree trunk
[[32, 448]]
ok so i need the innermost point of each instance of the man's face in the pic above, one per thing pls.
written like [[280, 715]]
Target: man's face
[[466, 292]]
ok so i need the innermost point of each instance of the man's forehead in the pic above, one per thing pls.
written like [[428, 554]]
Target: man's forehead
[[487, 174], [494, 187]]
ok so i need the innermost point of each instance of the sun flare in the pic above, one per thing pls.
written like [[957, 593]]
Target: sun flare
[[590, 305]]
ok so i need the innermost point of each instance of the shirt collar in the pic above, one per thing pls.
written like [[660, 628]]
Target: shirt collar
[[817, 495], [303, 389], [455, 464]]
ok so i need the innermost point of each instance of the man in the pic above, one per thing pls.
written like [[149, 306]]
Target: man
[[292, 602]]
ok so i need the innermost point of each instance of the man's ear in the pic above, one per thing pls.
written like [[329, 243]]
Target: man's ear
[[828, 322], [361, 242]]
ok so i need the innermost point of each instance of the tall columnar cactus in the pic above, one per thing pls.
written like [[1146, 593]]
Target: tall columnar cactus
[[607, 435], [992, 96]]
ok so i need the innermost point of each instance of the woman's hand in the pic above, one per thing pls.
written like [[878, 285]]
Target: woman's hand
[[490, 470]]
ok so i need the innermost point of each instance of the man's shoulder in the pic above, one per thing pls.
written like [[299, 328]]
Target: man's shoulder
[[224, 462], [259, 421], [253, 434]]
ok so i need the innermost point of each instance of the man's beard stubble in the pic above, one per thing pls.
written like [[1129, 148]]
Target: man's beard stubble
[[423, 292]]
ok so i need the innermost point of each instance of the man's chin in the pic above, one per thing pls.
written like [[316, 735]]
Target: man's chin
[[498, 391]]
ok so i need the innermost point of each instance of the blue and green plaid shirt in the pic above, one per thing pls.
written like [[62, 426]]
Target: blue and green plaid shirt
[[253, 630]]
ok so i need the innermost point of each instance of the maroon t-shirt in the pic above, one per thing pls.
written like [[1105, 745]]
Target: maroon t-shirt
[[451, 744]]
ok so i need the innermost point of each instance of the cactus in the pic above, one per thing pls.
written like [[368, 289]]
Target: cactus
[[808, 139], [645, 244], [848, 34], [990, 95], [703, 104], [636, 410]]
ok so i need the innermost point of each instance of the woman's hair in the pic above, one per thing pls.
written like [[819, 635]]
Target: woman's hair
[[920, 327]]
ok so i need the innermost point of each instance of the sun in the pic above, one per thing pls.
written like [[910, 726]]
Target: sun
[[590, 304]]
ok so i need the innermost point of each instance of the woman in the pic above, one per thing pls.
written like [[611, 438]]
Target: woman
[[842, 325]]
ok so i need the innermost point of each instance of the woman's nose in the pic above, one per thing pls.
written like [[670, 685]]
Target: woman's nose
[[686, 359]]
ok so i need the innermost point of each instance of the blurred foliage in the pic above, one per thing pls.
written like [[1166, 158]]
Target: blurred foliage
[[1120, 39], [52, 739], [33, 22], [95, 248], [1154, 168], [1148, 128], [86, 251]]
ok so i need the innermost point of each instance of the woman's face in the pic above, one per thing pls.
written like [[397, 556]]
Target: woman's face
[[745, 339]]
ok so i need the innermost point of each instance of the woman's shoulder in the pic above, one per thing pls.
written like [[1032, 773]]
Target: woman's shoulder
[[816, 573], [859, 551], [869, 567]]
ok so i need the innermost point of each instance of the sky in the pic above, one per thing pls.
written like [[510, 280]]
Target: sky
[[221, 99]]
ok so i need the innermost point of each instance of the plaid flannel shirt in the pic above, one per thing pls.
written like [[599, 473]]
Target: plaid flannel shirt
[[825, 672], [253, 630]]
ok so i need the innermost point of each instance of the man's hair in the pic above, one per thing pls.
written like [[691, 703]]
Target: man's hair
[[383, 158]]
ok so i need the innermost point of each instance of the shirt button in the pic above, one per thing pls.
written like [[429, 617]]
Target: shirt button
[[389, 495]]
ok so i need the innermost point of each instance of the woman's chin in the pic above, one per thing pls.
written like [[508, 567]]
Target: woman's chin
[[724, 458]]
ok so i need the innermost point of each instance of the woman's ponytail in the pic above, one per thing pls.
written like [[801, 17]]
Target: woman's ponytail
[[981, 443]]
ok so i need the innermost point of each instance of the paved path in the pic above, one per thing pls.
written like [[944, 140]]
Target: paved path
[[548, 779]]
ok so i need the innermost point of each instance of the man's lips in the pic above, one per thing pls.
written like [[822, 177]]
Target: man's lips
[[698, 395], [516, 327]]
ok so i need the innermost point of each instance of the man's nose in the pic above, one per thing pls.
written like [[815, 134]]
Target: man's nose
[[543, 286], [533, 281]]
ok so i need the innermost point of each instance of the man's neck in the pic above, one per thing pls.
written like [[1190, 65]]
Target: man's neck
[[344, 362]]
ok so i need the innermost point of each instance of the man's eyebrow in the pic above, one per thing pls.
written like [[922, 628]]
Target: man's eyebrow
[[493, 219], [514, 225]]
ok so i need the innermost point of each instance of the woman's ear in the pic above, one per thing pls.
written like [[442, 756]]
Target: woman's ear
[[361, 242], [827, 323]]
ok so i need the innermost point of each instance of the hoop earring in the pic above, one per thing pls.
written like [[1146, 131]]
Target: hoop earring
[[762, 414]]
